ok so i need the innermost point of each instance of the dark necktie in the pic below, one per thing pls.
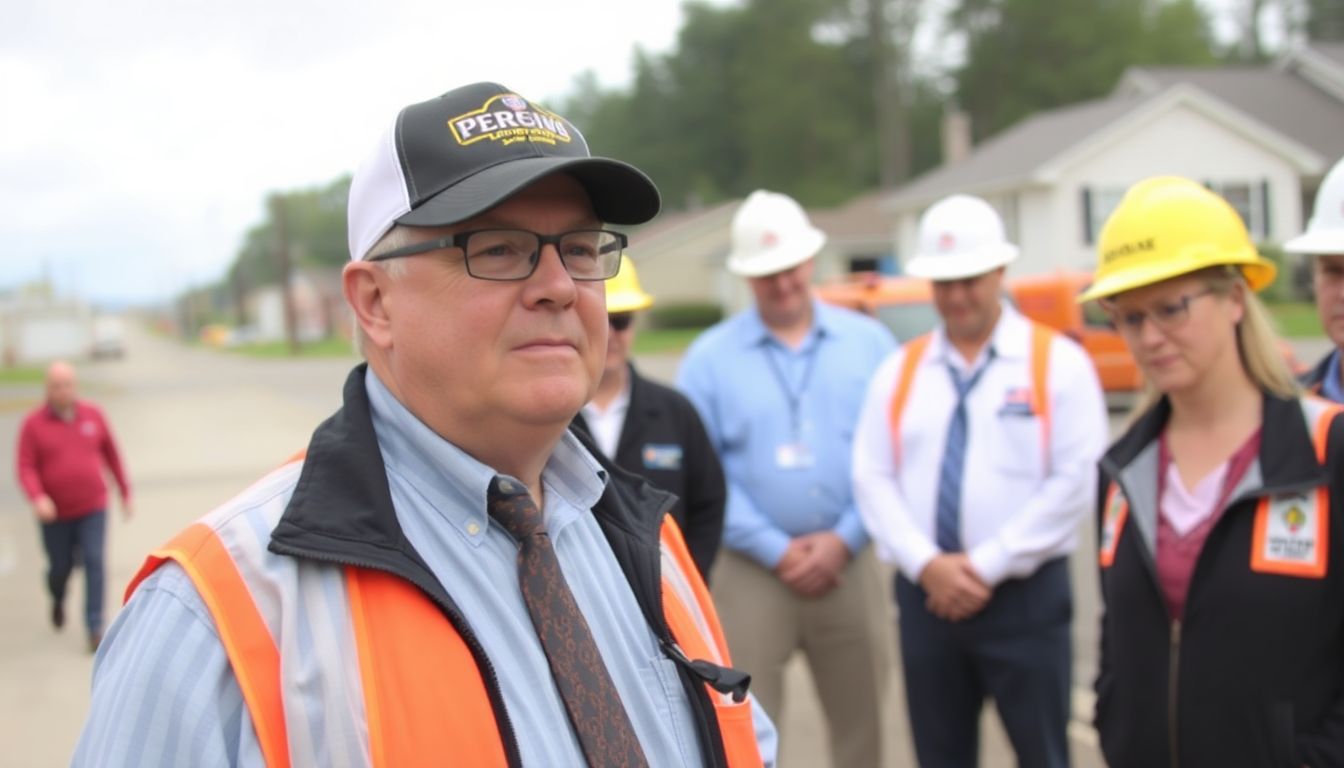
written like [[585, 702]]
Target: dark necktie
[[594, 706], [948, 522]]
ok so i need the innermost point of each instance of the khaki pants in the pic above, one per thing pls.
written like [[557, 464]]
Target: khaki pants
[[844, 634]]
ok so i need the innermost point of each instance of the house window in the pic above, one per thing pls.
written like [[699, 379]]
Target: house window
[[1098, 203], [1251, 201]]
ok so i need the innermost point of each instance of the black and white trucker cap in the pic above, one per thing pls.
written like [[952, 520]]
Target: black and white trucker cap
[[450, 158]]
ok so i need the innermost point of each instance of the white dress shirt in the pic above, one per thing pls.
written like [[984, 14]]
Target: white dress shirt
[[606, 424], [1019, 508]]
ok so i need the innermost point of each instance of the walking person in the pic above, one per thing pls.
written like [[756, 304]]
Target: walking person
[[1323, 244], [65, 447], [1221, 519], [779, 386], [447, 575], [974, 462], [653, 430]]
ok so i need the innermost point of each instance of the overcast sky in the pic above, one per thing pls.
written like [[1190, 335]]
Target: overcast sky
[[139, 138]]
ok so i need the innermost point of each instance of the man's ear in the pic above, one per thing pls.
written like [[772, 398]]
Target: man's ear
[[366, 291]]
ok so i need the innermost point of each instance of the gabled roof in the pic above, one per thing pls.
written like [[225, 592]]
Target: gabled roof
[[1280, 99], [1293, 107], [1009, 158], [863, 220]]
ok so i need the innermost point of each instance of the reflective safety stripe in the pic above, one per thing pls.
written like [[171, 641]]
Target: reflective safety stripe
[[242, 631], [1113, 520], [914, 351], [690, 615], [424, 696], [1041, 338]]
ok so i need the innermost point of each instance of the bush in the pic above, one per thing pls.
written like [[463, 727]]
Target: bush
[[1293, 282], [688, 315]]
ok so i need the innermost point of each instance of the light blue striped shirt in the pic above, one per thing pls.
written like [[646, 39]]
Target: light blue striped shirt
[[163, 646], [783, 422]]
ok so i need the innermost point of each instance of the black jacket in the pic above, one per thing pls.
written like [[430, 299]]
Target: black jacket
[[1253, 673], [341, 513], [664, 441]]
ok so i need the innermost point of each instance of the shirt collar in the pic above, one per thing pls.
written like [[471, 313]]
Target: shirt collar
[[1011, 339], [755, 332], [455, 484]]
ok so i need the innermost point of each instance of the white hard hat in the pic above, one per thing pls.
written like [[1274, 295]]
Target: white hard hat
[[771, 233], [1325, 231], [959, 237]]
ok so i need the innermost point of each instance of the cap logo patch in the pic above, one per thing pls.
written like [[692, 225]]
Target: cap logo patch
[[515, 121], [946, 241], [769, 239]]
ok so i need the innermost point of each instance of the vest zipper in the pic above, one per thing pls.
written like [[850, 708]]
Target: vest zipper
[[510, 739], [1173, 689]]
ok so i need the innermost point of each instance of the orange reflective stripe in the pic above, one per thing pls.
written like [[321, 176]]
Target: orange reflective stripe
[[424, 696], [1113, 518], [1320, 434], [242, 631], [1041, 337], [914, 351], [736, 728]]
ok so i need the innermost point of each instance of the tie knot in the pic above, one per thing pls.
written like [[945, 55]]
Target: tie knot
[[509, 503]]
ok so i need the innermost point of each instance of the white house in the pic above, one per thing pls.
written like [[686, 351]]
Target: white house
[[1261, 136]]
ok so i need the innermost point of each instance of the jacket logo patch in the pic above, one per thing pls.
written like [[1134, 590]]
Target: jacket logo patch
[[662, 456], [1292, 535]]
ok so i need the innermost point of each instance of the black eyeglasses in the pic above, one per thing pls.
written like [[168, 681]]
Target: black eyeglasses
[[620, 320], [1167, 316], [513, 254]]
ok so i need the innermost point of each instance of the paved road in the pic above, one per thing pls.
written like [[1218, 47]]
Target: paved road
[[196, 427]]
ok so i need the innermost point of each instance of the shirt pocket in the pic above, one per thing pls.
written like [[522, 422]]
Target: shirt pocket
[[663, 683], [1017, 445]]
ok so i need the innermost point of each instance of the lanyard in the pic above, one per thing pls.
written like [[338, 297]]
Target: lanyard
[[795, 398]]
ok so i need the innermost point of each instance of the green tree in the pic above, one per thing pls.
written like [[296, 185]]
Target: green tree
[[1026, 55]]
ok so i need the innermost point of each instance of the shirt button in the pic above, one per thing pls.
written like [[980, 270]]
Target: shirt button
[[473, 528]]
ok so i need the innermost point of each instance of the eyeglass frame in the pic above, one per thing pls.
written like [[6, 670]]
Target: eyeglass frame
[[459, 240], [1177, 313]]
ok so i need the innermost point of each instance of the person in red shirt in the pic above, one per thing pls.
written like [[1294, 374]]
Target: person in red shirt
[[64, 445]]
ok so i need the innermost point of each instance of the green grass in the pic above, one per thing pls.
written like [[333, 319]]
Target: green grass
[[1296, 319], [22, 374], [662, 340], [267, 349]]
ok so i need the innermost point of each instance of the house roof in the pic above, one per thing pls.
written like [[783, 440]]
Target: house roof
[[862, 220], [1279, 99], [1285, 100], [1009, 157]]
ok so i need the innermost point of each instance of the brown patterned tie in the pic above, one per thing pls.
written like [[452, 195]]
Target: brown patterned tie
[[594, 707]]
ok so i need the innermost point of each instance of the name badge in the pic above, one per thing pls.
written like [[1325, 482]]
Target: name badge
[[1292, 535], [795, 455], [661, 456], [1017, 402]]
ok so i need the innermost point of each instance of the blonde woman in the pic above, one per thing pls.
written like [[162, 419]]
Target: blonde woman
[[1221, 530]]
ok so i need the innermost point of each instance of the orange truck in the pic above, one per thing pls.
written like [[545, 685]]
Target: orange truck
[[905, 305]]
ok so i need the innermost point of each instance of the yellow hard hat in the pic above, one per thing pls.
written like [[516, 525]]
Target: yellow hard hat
[[1168, 226], [623, 291]]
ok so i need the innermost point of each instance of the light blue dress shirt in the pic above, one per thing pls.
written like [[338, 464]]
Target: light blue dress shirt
[[783, 422], [165, 637], [1330, 386]]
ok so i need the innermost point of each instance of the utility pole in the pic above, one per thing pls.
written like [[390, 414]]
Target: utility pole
[[278, 215]]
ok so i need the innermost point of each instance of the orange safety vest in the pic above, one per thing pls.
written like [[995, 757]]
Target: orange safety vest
[[1041, 336], [422, 688], [1116, 512]]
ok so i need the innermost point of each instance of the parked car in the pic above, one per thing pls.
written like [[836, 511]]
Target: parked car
[[905, 305]]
